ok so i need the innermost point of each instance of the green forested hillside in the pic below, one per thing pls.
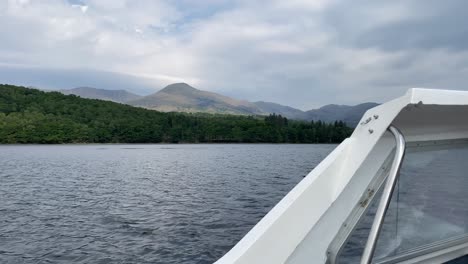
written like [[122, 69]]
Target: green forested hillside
[[33, 116]]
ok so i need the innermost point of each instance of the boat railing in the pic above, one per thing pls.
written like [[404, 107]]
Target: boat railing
[[386, 196]]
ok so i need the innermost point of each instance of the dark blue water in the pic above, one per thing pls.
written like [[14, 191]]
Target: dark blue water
[[140, 203]]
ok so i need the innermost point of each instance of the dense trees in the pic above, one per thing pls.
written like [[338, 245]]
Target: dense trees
[[33, 116]]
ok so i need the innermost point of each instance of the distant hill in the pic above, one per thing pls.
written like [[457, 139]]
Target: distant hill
[[330, 113], [283, 110], [181, 97], [119, 96]]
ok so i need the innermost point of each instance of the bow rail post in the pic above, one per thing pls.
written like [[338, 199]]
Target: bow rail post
[[386, 195]]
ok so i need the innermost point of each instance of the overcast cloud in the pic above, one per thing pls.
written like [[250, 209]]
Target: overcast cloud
[[302, 53]]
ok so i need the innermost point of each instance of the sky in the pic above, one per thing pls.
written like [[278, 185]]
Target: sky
[[301, 53]]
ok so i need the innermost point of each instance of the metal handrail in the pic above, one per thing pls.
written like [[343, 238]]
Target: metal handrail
[[386, 196]]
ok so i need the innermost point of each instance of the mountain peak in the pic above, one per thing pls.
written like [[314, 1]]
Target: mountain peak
[[178, 88], [181, 97]]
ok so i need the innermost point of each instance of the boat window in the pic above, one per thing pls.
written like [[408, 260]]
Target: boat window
[[428, 207], [460, 260]]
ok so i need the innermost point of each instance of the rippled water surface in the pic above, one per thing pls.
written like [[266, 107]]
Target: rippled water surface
[[140, 203]]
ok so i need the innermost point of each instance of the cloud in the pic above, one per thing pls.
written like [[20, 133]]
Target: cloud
[[59, 78], [83, 8], [300, 53]]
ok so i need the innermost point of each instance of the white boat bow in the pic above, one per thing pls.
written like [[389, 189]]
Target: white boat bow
[[315, 219]]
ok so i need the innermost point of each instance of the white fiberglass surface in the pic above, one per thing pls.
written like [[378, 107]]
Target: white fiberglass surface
[[429, 205]]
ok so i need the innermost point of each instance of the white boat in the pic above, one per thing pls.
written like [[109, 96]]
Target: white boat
[[356, 206]]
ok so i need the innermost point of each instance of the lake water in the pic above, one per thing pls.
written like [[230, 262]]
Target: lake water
[[140, 203]]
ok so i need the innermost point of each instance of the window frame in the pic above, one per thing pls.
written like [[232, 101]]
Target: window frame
[[453, 247]]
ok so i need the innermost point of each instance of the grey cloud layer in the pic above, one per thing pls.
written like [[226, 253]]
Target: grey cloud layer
[[298, 52]]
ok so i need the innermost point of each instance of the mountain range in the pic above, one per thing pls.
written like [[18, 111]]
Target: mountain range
[[181, 97]]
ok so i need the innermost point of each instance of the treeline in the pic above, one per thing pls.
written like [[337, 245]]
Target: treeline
[[33, 116]]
